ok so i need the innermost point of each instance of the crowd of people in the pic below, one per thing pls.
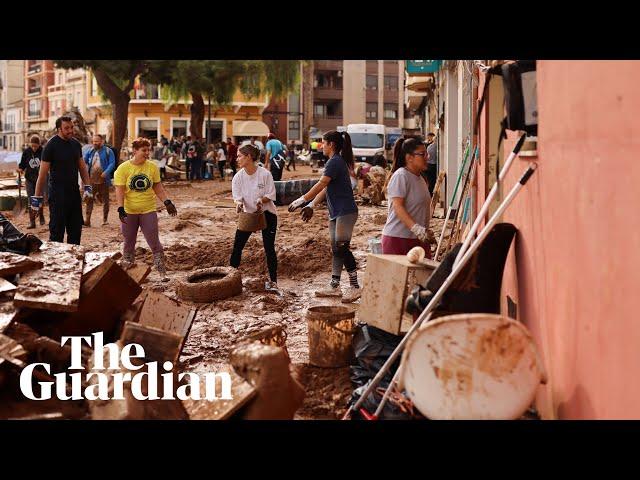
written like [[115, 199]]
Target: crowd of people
[[254, 169]]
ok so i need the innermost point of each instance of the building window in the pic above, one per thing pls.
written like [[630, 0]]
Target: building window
[[148, 91], [319, 110], [179, 128], [148, 129], [372, 82], [60, 81], [94, 86], [372, 110], [390, 82], [390, 110], [35, 107]]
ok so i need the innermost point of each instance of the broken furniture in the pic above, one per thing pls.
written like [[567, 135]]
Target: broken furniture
[[388, 281], [471, 366]]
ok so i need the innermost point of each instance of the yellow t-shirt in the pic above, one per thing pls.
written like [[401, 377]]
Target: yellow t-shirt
[[138, 181]]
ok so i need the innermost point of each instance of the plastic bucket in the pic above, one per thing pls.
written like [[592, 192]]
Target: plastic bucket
[[330, 331]]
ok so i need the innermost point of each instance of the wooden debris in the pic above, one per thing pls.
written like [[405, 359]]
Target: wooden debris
[[139, 272], [159, 345], [13, 263], [241, 392], [160, 311], [93, 260], [56, 286], [8, 313], [6, 286]]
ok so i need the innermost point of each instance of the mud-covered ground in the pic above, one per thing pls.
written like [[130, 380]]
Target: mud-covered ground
[[201, 236]]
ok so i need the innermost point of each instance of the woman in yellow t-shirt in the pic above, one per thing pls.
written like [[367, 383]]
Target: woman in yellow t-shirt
[[137, 183]]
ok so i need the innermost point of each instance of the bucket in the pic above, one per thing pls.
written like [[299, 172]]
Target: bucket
[[251, 222], [330, 332]]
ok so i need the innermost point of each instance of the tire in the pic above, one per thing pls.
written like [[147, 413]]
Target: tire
[[207, 291]]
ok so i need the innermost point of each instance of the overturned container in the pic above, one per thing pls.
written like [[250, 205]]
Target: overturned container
[[330, 330]]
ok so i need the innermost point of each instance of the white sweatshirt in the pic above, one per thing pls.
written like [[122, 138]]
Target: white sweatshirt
[[248, 189]]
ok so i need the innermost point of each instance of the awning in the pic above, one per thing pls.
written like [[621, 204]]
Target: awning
[[250, 128]]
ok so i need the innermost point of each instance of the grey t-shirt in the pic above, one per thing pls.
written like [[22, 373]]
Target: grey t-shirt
[[432, 150], [416, 196]]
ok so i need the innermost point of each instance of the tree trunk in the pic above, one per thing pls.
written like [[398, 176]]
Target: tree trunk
[[120, 107], [197, 116], [307, 99]]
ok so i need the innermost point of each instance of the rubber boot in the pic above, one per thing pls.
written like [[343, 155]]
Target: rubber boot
[[41, 214], [128, 260], [32, 219], [158, 261]]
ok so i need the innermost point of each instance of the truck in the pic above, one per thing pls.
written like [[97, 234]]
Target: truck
[[368, 141]]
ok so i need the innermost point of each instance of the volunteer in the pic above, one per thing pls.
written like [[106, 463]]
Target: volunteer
[[335, 185], [30, 167], [101, 162], [137, 183], [409, 200], [253, 190]]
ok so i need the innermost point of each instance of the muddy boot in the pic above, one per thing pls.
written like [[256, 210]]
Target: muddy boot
[[128, 260], [32, 219], [41, 214], [158, 261]]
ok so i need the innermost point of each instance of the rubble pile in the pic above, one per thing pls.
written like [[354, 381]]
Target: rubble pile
[[62, 290]]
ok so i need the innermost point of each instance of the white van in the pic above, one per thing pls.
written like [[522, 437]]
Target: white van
[[368, 140]]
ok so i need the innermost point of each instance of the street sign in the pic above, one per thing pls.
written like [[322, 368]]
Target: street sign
[[416, 67]]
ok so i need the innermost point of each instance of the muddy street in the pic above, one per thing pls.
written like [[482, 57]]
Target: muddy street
[[201, 236]]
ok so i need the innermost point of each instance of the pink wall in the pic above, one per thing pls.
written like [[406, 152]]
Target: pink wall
[[578, 249]]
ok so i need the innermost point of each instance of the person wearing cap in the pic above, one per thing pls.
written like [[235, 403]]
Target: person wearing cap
[[30, 167]]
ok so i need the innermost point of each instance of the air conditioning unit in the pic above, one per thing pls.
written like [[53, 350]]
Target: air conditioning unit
[[339, 73]]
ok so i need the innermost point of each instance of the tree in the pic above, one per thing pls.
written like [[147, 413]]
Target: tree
[[218, 80], [116, 80]]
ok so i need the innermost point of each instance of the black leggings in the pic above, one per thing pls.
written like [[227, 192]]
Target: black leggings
[[268, 239]]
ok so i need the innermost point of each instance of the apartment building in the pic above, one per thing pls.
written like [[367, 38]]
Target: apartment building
[[68, 91], [38, 77], [11, 104], [357, 91]]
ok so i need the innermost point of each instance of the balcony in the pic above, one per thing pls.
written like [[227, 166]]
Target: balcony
[[420, 83], [34, 114], [327, 93], [34, 69], [34, 91], [327, 65], [328, 122], [55, 89]]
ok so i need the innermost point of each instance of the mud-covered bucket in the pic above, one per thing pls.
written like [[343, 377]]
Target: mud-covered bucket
[[251, 222], [330, 331]]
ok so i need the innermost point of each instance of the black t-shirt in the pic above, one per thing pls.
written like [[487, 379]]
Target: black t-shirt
[[63, 155], [30, 163]]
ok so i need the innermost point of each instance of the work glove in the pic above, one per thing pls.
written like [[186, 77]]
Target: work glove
[[88, 192], [171, 208], [36, 203], [306, 213], [122, 214], [420, 232], [239, 207], [297, 204]]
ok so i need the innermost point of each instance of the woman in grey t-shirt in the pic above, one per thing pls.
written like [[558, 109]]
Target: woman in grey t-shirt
[[409, 200]]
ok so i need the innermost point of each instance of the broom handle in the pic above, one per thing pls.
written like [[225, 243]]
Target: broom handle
[[489, 199], [443, 288], [455, 191]]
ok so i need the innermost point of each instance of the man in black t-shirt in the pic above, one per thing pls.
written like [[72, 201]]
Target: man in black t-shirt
[[62, 157]]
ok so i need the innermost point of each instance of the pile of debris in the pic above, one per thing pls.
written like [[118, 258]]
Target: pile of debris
[[60, 290]]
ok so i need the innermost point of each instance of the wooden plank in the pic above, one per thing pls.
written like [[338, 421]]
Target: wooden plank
[[241, 392], [93, 260], [13, 263], [6, 286], [56, 286], [165, 313], [159, 345], [139, 272]]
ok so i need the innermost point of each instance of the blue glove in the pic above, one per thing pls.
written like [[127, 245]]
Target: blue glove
[[36, 202]]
